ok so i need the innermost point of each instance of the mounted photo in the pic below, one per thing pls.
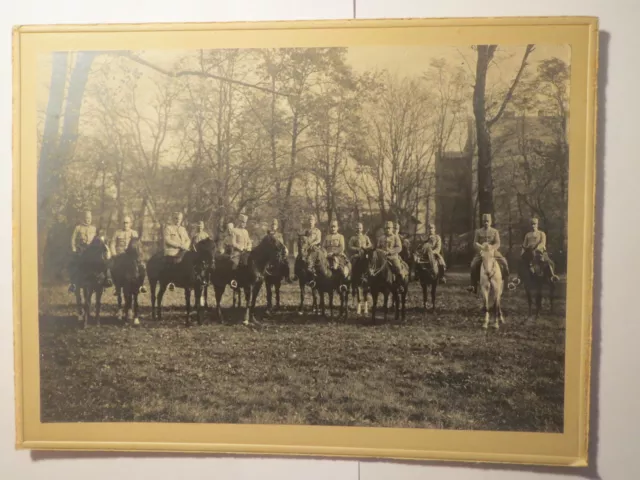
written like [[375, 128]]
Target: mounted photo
[[364, 238]]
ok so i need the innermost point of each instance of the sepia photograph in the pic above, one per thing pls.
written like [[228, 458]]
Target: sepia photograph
[[338, 226], [376, 242]]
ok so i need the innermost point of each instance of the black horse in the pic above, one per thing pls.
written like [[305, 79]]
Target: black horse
[[327, 280], [249, 275], [190, 272], [91, 269], [359, 280], [128, 274], [535, 274], [382, 280], [303, 273], [428, 272], [273, 275]]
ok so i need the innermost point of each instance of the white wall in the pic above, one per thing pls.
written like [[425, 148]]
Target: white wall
[[616, 434]]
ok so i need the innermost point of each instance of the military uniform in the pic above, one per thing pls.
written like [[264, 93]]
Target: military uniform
[[176, 242], [435, 242], [392, 246], [120, 241], [334, 245], [359, 241], [492, 237], [537, 241], [198, 237], [81, 237]]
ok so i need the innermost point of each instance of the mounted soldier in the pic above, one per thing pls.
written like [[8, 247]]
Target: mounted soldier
[[199, 234], [391, 245], [120, 242], [334, 245], [434, 241], [535, 242], [176, 242], [83, 235], [359, 240], [486, 234], [273, 232]]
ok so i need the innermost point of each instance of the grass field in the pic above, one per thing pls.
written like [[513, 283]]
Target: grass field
[[434, 370]]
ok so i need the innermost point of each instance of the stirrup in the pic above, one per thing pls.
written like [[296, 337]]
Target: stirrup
[[555, 278], [171, 286], [142, 289], [233, 284]]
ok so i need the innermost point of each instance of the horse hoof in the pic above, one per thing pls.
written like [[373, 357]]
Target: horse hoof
[[136, 322], [143, 290], [300, 312]]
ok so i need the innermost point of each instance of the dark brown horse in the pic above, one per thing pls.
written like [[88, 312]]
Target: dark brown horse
[[249, 274], [92, 266], [382, 280], [191, 272], [535, 274], [303, 273], [359, 280], [128, 274], [428, 272], [273, 275], [327, 280]]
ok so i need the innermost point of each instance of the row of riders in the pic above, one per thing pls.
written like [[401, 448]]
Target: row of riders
[[328, 265]]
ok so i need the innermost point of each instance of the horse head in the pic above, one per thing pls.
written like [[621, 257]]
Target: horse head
[[134, 249], [204, 252], [488, 256]]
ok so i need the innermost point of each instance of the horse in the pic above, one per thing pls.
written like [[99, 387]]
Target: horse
[[190, 272], [249, 275], [428, 272], [407, 256], [535, 274], [327, 280], [274, 273], [359, 280], [92, 266], [303, 273], [491, 284], [128, 276], [381, 279]]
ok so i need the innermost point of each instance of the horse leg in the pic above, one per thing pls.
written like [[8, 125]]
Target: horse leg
[[434, 287], [386, 304], [314, 295], [136, 319], [485, 297], [269, 293], [163, 288], [538, 300], [374, 304], [301, 307], [88, 293], [187, 301], [423, 284], [322, 308], [119, 295], [219, 291], [255, 291], [197, 294], [365, 295], [99, 291], [499, 315], [529, 300], [552, 291], [330, 293], [152, 285], [79, 303], [277, 288], [396, 299]]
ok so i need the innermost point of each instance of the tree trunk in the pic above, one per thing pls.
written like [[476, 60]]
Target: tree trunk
[[48, 165], [485, 180]]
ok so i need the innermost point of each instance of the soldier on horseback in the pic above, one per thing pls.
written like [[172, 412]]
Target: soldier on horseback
[[434, 241], [535, 241], [176, 242], [359, 240], [391, 244], [120, 241], [273, 232], [313, 234], [199, 235], [82, 236], [486, 234], [334, 245]]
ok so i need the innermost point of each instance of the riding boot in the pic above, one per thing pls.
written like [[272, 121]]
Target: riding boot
[[72, 288]]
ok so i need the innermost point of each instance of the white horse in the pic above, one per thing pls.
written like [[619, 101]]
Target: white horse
[[491, 284]]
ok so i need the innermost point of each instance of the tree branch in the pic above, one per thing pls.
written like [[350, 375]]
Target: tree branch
[[195, 73], [514, 84]]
